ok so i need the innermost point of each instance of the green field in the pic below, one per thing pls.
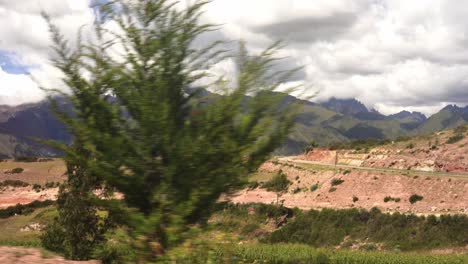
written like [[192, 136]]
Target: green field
[[246, 234]]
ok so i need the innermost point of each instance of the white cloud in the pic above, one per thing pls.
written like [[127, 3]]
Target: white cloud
[[18, 89], [389, 54]]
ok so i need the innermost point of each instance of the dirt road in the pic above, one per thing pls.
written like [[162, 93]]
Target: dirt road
[[392, 170]]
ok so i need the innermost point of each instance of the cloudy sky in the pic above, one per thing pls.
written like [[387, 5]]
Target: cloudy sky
[[389, 54]]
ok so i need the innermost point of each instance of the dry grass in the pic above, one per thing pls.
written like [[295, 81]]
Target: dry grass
[[34, 172]]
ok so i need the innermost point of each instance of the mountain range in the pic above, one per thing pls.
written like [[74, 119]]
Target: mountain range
[[327, 122]]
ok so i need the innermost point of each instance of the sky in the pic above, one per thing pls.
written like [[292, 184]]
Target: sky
[[392, 55]]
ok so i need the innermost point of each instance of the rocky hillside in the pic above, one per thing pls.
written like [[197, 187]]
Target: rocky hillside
[[443, 151]]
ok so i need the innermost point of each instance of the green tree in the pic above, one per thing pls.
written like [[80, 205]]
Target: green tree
[[278, 184], [147, 133], [309, 147]]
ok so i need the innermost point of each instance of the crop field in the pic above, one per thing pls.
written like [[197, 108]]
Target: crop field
[[295, 254]]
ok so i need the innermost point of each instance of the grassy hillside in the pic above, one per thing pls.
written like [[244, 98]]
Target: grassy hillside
[[338, 121], [439, 121]]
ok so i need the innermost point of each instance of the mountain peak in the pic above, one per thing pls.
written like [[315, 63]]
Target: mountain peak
[[345, 106], [418, 116]]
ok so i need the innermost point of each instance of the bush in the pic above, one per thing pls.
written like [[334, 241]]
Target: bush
[[297, 190], [314, 187], [359, 144], [336, 182], [253, 185], [37, 187], [328, 228], [455, 138], [410, 146], [54, 184], [249, 228], [14, 183], [53, 238], [368, 247], [279, 183], [332, 189], [461, 129], [415, 198], [355, 199], [26, 159], [23, 209], [17, 170], [389, 198]]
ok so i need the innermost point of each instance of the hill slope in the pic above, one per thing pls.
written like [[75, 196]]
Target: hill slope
[[334, 121]]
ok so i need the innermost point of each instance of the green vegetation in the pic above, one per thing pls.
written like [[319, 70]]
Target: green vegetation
[[17, 170], [24, 209], [410, 146], [314, 187], [12, 235], [415, 198], [37, 187], [311, 146], [360, 144], [355, 199], [171, 150], [296, 253], [408, 232], [394, 199], [455, 138], [51, 185], [461, 129], [278, 183], [13, 183], [26, 159], [336, 182]]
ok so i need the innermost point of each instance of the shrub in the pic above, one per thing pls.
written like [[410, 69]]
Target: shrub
[[249, 228], [389, 198], [347, 172], [17, 170], [461, 129], [37, 187], [279, 183], [45, 159], [22, 209], [410, 146], [54, 184], [253, 185], [336, 182], [415, 198], [297, 190], [355, 199], [332, 189], [26, 159], [455, 138], [368, 247], [328, 228], [14, 183], [314, 187]]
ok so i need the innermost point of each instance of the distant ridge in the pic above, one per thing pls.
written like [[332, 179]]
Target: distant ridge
[[324, 123]]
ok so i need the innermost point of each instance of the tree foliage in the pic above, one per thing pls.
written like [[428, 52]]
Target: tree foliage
[[144, 127]]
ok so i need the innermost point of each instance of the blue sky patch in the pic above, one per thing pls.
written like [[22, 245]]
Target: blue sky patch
[[9, 64]]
